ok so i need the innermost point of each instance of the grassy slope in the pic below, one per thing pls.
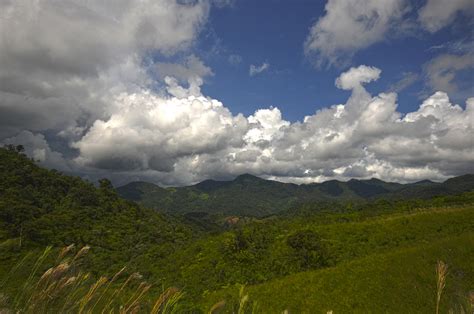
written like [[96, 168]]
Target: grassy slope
[[399, 280], [402, 281], [205, 261]]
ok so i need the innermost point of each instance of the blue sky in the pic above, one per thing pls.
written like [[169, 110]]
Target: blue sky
[[274, 32]]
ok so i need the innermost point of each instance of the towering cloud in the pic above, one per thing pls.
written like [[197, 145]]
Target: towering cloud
[[150, 132]]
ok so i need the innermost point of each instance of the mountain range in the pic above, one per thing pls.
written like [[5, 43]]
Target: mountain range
[[248, 195]]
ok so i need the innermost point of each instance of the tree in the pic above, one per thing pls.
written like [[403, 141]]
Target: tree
[[13, 148], [308, 248], [105, 184], [107, 194]]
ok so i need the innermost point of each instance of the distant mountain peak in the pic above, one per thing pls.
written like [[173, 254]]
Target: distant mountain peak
[[141, 183], [371, 180], [247, 177], [461, 178], [209, 185], [207, 181], [423, 182], [376, 180]]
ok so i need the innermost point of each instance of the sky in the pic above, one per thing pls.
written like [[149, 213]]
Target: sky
[[176, 92]]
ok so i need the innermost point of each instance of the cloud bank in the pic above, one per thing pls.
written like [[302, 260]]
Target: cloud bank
[[98, 104], [188, 139]]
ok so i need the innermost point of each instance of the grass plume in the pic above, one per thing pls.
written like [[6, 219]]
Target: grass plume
[[441, 274]]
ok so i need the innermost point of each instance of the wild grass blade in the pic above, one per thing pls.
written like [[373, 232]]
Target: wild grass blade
[[216, 307], [108, 286], [163, 298], [26, 287], [14, 269], [118, 291], [90, 294], [170, 303], [441, 274]]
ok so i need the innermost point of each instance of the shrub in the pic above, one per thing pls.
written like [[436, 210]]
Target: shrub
[[308, 249]]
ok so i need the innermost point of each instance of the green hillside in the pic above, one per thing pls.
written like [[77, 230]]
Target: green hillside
[[40, 207], [264, 251], [402, 281]]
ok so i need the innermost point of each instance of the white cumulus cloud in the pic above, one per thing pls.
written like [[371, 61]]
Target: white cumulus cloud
[[355, 77], [350, 25], [150, 132]]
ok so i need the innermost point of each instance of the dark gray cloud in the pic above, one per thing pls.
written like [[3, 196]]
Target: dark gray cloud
[[63, 60]]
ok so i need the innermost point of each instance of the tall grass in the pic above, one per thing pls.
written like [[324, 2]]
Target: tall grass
[[441, 274], [65, 288], [243, 304]]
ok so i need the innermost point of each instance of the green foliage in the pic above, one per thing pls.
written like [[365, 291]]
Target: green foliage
[[262, 251], [400, 281], [248, 195], [65, 288], [311, 247], [42, 207]]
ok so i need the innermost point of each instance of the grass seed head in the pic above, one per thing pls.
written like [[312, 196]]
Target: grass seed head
[[65, 250], [83, 251]]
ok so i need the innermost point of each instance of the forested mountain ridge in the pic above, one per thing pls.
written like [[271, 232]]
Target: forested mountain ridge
[[248, 195], [44, 207]]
